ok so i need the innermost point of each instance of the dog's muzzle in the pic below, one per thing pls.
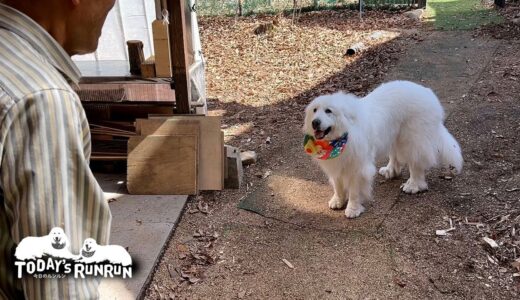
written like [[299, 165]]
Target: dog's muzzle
[[58, 245], [87, 253]]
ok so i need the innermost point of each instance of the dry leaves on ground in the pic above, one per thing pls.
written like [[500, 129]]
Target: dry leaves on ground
[[259, 70]]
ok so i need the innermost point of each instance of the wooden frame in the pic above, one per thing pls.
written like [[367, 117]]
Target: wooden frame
[[180, 53]]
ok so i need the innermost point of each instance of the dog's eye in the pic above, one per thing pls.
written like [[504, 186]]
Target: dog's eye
[[328, 111], [315, 110]]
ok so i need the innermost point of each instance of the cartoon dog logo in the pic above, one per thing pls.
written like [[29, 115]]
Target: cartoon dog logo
[[91, 252], [55, 244]]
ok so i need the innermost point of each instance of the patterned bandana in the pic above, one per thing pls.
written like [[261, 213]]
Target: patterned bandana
[[323, 149]]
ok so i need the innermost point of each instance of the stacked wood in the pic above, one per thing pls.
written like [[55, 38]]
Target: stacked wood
[[176, 155], [113, 107]]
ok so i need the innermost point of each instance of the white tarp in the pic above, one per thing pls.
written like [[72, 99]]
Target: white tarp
[[132, 20]]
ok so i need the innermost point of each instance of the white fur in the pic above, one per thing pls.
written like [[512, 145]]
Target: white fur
[[400, 120], [33, 247], [113, 253]]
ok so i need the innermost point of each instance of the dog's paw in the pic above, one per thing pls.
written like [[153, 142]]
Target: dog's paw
[[413, 187], [336, 203], [388, 173], [353, 211]]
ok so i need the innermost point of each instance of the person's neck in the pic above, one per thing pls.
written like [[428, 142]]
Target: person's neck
[[54, 25]]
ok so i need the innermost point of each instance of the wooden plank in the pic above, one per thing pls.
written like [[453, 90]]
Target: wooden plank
[[96, 157], [179, 54], [161, 41], [167, 127], [233, 168], [148, 68], [162, 165], [211, 153], [224, 159]]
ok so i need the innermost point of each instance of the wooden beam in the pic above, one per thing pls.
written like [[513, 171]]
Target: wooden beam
[[179, 54]]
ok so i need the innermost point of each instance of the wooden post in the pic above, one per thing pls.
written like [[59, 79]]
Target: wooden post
[[135, 55], [179, 54]]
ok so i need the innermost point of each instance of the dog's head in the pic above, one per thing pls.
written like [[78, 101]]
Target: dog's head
[[327, 117], [89, 244], [58, 238], [89, 247]]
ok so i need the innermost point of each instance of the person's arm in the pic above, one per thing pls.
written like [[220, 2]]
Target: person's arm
[[47, 182]]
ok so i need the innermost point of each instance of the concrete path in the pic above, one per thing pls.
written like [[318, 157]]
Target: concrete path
[[143, 224]]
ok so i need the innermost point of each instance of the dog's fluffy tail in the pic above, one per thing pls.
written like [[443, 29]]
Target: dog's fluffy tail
[[450, 153]]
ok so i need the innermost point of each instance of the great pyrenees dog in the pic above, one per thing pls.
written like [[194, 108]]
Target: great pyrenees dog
[[91, 252], [400, 120], [55, 244]]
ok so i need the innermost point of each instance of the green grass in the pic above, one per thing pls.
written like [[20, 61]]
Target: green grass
[[460, 14]]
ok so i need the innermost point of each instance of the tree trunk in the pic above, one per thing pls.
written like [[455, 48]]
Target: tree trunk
[[239, 8]]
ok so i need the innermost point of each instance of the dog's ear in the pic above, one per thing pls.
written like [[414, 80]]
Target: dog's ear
[[350, 102], [349, 115]]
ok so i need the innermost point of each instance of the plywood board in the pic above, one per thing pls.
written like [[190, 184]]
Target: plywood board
[[167, 127], [162, 165], [211, 151]]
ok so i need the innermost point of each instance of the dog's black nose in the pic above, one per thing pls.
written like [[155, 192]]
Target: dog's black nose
[[316, 124]]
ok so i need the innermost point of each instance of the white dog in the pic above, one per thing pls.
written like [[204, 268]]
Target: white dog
[[399, 119], [91, 252], [55, 244]]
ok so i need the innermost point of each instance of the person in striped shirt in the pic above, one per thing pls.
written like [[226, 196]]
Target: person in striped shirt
[[45, 179]]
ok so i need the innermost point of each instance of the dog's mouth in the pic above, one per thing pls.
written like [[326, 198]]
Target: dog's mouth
[[57, 245], [87, 253], [320, 134]]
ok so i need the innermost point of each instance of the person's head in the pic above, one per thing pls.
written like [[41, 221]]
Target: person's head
[[75, 24]]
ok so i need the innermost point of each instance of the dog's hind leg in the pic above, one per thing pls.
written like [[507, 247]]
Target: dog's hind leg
[[393, 169], [338, 200], [417, 182]]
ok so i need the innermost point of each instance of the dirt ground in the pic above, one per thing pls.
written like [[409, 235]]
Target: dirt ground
[[220, 251]]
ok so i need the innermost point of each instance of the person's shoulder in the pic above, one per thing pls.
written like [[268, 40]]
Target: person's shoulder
[[24, 71]]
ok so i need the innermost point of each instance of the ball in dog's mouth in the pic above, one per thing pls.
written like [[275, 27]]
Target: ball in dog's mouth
[[320, 134]]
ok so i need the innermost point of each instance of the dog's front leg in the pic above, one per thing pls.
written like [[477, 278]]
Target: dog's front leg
[[355, 203], [338, 200]]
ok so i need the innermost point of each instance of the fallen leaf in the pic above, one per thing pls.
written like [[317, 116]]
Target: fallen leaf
[[399, 282], [171, 271], [288, 263], [198, 233], [516, 264], [490, 242]]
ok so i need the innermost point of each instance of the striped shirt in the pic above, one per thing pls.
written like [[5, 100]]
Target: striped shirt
[[45, 179]]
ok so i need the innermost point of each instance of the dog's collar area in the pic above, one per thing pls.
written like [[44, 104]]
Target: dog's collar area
[[323, 149]]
